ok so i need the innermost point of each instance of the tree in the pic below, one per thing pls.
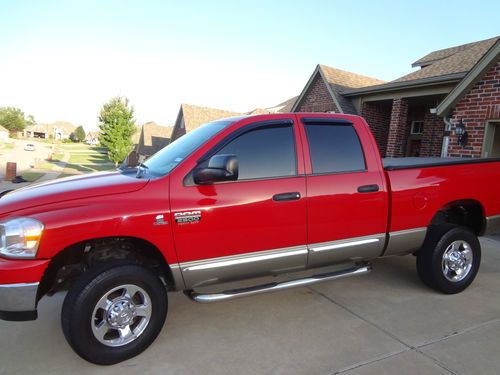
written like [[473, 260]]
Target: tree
[[79, 134], [117, 125], [13, 119]]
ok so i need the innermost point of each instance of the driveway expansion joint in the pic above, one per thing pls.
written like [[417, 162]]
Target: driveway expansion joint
[[408, 346]]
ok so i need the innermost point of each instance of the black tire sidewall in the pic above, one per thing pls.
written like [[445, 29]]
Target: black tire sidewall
[[455, 234], [82, 298]]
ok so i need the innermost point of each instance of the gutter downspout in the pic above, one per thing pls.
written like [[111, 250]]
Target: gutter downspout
[[446, 138]]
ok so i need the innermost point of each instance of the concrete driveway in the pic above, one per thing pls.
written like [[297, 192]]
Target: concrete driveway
[[386, 322]]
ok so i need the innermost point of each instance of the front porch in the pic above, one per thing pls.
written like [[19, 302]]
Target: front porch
[[405, 127]]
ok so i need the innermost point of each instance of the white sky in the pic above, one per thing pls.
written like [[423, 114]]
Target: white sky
[[61, 60]]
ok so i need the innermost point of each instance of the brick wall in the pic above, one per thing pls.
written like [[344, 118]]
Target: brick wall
[[317, 98], [482, 103], [432, 137], [378, 118], [398, 128]]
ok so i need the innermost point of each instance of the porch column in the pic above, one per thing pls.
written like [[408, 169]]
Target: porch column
[[397, 128]]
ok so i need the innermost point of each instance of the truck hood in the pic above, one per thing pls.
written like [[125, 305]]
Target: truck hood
[[70, 188]]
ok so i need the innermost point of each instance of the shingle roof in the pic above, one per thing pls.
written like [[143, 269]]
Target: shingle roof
[[194, 115], [153, 137], [340, 80], [459, 59], [287, 105], [283, 107], [446, 52], [347, 79], [2, 129]]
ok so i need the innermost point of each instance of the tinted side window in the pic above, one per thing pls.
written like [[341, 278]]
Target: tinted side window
[[265, 152], [334, 148]]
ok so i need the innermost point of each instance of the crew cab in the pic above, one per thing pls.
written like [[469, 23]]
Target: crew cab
[[302, 194]]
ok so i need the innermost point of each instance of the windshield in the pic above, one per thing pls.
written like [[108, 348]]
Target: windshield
[[170, 156]]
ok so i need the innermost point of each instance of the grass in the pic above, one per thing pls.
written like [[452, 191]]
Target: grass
[[62, 175], [83, 159], [6, 146], [94, 158], [32, 176]]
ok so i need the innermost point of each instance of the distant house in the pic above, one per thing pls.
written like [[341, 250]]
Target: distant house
[[151, 138], [450, 106], [55, 130], [4, 134], [191, 117], [92, 138]]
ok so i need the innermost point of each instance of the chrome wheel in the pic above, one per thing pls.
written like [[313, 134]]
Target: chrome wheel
[[457, 261], [121, 315]]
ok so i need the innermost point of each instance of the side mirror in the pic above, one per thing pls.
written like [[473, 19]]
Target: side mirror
[[220, 168]]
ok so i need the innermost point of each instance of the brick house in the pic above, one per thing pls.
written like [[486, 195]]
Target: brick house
[[55, 130], [151, 138], [422, 113]]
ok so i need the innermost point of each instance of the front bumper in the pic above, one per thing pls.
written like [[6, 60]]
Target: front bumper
[[19, 281], [18, 301]]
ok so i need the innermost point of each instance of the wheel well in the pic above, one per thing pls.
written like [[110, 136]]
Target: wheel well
[[78, 258], [466, 213]]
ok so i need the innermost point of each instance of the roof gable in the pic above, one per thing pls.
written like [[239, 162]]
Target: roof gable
[[337, 81], [488, 60], [195, 116], [344, 78], [152, 138]]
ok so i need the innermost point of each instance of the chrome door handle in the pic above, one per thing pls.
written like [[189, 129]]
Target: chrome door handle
[[368, 188], [286, 197]]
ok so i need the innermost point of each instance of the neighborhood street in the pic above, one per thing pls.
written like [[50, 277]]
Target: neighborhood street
[[24, 159]]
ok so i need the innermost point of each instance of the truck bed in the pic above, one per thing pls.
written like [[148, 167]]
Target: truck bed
[[391, 164]]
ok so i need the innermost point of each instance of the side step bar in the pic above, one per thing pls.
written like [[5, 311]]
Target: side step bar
[[273, 287]]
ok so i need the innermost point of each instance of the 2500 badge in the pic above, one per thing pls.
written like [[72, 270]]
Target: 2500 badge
[[187, 217]]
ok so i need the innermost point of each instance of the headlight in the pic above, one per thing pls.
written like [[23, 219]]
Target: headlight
[[19, 238]]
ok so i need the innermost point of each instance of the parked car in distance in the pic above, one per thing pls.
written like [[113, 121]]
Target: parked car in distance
[[234, 200], [29, 147]]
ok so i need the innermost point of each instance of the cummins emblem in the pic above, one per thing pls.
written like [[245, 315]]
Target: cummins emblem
[[187, 217], [160, 220]]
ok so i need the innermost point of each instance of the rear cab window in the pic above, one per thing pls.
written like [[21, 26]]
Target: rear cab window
[[334, 148]]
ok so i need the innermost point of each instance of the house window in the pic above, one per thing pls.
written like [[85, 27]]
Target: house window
[[417, 127]]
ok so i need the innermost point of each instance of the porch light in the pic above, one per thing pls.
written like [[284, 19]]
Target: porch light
[[461, 133]]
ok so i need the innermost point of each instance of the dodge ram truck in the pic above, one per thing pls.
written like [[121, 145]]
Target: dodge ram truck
[[306, 196]]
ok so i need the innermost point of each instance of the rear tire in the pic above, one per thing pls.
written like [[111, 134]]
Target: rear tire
[[114, 313], [449, 259]]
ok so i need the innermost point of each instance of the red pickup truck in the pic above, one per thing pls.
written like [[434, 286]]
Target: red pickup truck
[[235, 200]]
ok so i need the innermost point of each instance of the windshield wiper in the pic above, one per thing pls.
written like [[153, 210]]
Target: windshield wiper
[[142, 169]]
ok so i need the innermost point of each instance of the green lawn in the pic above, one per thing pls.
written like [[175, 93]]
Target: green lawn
[[32, 176], [93, 158], [82, 159]]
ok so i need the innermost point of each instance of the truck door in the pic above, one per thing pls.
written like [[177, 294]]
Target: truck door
[[250, 227], [347, 206]]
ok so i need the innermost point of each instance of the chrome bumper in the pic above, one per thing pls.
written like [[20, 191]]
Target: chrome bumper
[[18, 301]]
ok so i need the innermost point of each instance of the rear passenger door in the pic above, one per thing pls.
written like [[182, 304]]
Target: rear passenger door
[[347, 206]]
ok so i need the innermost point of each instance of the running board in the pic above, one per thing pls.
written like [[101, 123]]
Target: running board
[[273, 287]]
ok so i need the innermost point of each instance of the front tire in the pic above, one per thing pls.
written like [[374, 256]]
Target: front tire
[[449, 259], [114, 313]]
